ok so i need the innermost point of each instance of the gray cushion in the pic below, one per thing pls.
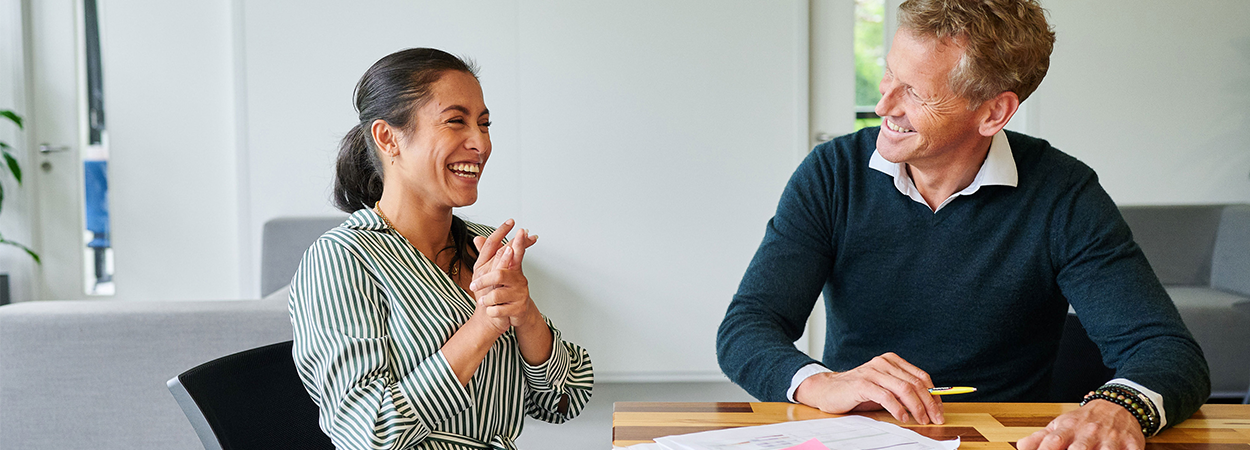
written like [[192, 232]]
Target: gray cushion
[[1243, 307], [91, 374], [1177, 240], [283, 244], [283, 294], [1223, 334], [1230, 267]]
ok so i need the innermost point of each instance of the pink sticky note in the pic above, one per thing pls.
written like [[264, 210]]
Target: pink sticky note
[[809, 445]]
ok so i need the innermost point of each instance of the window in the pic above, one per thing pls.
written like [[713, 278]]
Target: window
[[869, 60], [98, 257]]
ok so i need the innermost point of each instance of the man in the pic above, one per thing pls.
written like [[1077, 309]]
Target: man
[[949, 250]]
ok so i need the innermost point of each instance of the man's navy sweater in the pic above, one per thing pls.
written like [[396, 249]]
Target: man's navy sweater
[[974, 294]]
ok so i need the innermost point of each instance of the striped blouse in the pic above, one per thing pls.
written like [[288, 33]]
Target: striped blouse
[[370, 315]]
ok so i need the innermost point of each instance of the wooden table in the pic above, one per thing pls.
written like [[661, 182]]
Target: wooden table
[[992, 426]]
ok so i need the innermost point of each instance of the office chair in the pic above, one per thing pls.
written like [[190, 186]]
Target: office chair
[[250, 400], [1078, 366], [1244, 307]]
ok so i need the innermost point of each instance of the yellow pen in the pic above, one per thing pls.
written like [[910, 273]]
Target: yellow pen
[[949, 390]]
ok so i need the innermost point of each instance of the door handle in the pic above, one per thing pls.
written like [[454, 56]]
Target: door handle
[[47, 148]]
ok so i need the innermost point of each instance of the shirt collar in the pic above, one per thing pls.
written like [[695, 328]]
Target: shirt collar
[[999, 169], [365, 219]]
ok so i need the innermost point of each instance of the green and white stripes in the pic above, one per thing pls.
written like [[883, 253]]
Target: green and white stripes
[[370, 314]]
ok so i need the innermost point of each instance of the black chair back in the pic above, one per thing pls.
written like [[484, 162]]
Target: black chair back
[[1078, 367], [250, 400]]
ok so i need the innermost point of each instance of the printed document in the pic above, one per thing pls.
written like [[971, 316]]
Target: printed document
[[841, 433]]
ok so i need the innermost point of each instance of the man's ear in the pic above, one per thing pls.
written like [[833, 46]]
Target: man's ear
[[996, 112]]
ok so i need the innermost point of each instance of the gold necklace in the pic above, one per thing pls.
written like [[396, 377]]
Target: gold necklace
[[455, 268]]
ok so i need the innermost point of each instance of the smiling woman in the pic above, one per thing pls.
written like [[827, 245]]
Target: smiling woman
[[401, 338]]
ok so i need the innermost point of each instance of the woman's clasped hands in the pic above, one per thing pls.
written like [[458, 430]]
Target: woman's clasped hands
[[499, 284]]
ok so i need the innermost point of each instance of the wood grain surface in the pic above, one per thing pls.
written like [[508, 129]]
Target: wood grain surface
[[988, 426]]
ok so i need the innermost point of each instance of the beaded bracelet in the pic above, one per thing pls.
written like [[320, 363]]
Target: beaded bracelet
[[1141, 420], [1149, 409], [1137, 404], [1129, 390], [1140, 407]]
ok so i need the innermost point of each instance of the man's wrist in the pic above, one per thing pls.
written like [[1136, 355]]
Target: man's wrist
[[802, 375], [803, 394], [1151, 397], [1130, 401]]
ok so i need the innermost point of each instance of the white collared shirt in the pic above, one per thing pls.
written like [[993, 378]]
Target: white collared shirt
[[998, 169]]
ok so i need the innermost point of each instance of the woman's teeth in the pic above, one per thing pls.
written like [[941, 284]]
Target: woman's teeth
[[896, 128], [465, 170]]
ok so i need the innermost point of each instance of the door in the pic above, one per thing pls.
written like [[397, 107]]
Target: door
[[60, 138]]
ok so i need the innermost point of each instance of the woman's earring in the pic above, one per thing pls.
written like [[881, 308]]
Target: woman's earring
[[392, 160]]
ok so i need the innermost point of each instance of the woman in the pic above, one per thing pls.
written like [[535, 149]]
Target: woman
[[413, 326]]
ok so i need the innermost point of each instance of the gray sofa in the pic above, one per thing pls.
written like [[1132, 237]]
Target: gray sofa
[[1202, 255], [91, 374]]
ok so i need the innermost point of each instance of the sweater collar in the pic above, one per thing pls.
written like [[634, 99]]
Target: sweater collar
[[999, 169]]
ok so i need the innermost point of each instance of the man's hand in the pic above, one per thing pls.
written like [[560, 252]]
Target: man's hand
[[887, 382], [1099, 425]]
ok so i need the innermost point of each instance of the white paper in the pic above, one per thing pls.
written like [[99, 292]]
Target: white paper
[[646, 446], [842, 433]]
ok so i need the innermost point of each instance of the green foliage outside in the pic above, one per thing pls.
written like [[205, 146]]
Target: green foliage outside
[[869, 56], [865, 123], [10, 164], [869, 50]]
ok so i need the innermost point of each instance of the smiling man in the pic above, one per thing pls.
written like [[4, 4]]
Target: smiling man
[[948, 251]]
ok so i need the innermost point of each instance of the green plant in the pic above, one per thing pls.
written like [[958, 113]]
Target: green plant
[[10, 163]]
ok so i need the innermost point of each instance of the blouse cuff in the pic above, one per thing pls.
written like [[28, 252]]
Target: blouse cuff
[[434, 391], [550, 374]]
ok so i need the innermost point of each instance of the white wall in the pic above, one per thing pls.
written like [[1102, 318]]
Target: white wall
[[168, 95], [1154, 95], [652, 163]]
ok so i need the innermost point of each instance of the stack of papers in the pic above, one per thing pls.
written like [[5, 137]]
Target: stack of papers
[[842, 433]]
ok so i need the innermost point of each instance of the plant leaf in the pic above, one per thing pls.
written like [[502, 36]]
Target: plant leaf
[[13, 167], [4, 146], [12, 116], [30, 252]]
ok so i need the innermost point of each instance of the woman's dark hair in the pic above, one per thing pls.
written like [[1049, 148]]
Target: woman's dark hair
[[393, 89]]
